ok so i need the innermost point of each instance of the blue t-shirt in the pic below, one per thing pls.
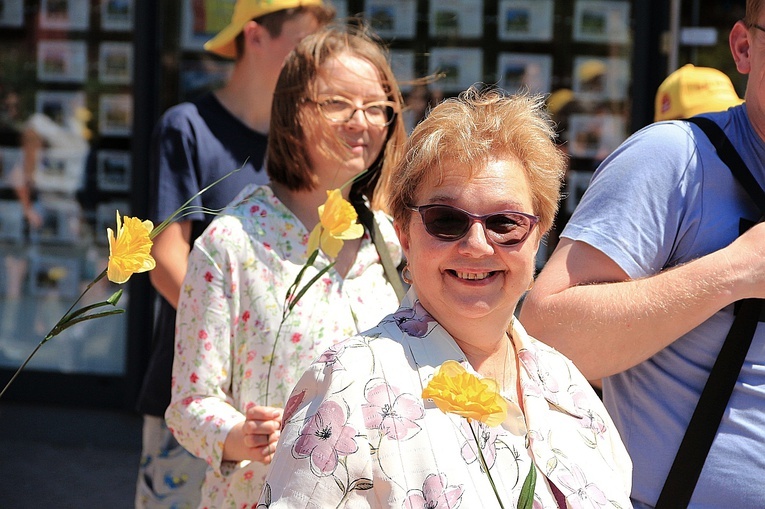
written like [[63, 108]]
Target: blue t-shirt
[[193, 145], [664, 198]]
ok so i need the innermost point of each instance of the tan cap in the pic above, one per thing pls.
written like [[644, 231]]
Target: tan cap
[[692, 90], [245, 10]]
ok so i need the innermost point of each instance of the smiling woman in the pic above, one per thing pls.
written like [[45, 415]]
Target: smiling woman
[[475, 192], [245, 329]]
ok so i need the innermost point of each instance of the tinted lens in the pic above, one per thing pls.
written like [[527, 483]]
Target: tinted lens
[[449, 224], [507, 229], [445, 222]]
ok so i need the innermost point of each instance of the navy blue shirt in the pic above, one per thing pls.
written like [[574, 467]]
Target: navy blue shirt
[[193, 145]]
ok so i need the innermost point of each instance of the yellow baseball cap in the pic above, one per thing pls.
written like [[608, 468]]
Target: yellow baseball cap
[[245, 10], [691, 90]]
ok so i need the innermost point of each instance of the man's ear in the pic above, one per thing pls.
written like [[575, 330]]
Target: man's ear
[[253, 33], [739, 40]]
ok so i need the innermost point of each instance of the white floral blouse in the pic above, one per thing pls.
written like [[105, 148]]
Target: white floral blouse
[[357, 432], [226, 330]]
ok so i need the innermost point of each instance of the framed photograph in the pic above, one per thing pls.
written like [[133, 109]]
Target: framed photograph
[[9, 157], [524, 71], [59, 106], [106, 217], [576, 184], [61, 170], [525, 20], [62, 61], [115, 63], [61, 222], [402, 63], [392, 18], [11, 221], [595, 135], [456, 18], [605, 22], [12, 13], [115, 114], [601, 78], [199, 76], [113, 170], [51, 275], [65, 14], [461, 67], [117, 15], [202, 19]]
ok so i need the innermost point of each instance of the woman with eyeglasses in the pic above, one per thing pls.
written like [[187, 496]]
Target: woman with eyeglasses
[[471, 199], [335, 117]]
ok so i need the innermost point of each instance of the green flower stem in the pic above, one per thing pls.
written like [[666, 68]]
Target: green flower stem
[[70, 318], [483, 462], [186, 209], [289, 303]]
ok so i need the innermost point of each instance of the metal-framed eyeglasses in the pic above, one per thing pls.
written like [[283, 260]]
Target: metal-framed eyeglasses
[[340, 110], [449, 224]]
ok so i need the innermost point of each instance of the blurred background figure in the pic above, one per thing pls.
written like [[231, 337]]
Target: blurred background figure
[[419, 101], [692, 90], [194, 144]]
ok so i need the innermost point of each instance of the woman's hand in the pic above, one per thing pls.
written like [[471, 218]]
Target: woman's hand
[[254, 439]]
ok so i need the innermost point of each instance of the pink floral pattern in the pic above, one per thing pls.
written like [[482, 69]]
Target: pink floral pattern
[[400, 451], [393, 413], [585, 494], [415, 321], [326, 437], [487, 438], [229, 312], [436, 493]]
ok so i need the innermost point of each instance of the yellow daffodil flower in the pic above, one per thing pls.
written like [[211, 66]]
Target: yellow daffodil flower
[[456, 391], [337, 223], [129, 249]]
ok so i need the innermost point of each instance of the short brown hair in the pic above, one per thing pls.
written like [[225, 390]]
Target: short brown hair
[[287, 159], [753, 8], [273, 22], [471, 129]]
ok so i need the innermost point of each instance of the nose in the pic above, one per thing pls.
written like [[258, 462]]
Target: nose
[[475, 242], [358, 120]]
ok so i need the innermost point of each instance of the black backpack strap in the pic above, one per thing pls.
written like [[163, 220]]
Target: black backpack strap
[[698, 438], [367, 218], [728, 154]]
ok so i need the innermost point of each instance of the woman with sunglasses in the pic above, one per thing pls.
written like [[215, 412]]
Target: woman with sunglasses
[[335, 116], [471, 200]]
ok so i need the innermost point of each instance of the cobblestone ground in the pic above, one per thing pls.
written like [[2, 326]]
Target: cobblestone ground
[[67, 458]]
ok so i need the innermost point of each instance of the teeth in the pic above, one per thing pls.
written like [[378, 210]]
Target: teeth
[[473, 275]]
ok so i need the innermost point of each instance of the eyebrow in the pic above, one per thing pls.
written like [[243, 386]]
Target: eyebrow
[[367, 99], [451, 200]]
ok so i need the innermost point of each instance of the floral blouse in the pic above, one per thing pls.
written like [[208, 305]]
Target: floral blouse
[[357, 432], [229, 313]]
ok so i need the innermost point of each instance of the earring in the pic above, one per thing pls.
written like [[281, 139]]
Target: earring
[[406, 274], [531, 285]]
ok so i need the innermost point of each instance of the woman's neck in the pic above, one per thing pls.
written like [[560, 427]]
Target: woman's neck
[[305, 205]]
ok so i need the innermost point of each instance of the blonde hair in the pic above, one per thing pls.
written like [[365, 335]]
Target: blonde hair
[[472, 128]]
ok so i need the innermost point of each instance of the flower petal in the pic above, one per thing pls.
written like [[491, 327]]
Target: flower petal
[[330, 245], [456, 391], [313, 239], [129, 249]]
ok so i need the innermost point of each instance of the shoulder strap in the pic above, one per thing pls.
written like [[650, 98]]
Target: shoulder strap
[[698, 438], [367, 218], [728, 154]]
